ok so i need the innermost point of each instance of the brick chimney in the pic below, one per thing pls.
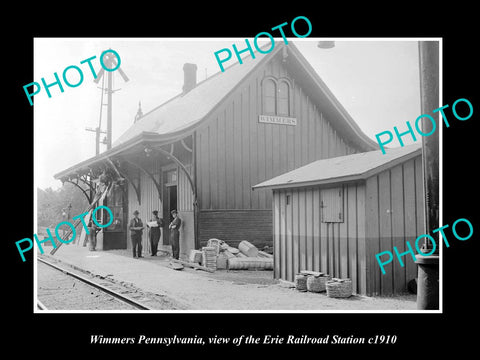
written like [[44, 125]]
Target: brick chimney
[[189, 77]]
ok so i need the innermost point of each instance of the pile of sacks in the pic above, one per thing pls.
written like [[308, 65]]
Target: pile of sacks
[[246, 257]]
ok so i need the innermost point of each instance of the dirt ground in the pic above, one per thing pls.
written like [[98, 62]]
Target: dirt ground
[[228, 290], [58, 291]]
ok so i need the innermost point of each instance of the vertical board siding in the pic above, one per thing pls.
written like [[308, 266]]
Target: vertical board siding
[[372, 235], [352, 237], [302, 229], [385, 221], [361, 239], [316, 249], [398, 218], [237, 155], [288, 252], [277, 234], [149, 201], [307, 243], [252, 136], [213, 162], [419, 195], [343, 238], [184, 191], [247, 193], [235, 151], [309, 213], [398, 225], [410, 214], [381, 213], [230, 160], [283, 236], [295, 235]]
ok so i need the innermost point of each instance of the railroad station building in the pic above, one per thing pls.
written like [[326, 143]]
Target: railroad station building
[[202, 151]]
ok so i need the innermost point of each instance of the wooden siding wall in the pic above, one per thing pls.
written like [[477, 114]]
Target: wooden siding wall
[[235, 151], [303, 242], [149, 201], [186, 212], [236, 225], [184, 191], [385, 211], [395, 215]]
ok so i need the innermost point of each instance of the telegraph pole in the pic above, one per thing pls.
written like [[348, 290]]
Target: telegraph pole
[[109, 108], [428, 266], [97, 132]]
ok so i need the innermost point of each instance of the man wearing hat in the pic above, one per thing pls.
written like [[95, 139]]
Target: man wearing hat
[[155, 232], [136, 231], [175, 234]]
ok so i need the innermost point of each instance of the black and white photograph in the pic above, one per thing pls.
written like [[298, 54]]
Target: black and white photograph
[[213, 181], [242, 184]]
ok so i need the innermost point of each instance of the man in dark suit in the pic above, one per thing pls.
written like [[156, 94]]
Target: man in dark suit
[[155, 232], [92, 235], [175, 234], [136, 231]]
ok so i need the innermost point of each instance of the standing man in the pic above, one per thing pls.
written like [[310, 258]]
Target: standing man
[[155, 232], [136, 231], [92, 236], [175, 234]]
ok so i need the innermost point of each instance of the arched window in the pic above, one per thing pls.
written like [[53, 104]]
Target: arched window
[[269, 98], [283, 99], [276, 96]]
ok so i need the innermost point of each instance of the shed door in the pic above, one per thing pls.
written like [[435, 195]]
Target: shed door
[[332, 205]]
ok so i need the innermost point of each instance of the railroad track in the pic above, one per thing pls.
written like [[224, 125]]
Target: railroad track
[[41, 306], [94, 284]]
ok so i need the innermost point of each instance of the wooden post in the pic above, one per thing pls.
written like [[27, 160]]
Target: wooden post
[[109, 109], [428, 266], [429, 92]]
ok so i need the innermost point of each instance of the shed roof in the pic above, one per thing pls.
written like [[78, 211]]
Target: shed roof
[[343, 168]]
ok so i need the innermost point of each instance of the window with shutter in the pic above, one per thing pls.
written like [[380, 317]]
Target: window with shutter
[[332, 205]]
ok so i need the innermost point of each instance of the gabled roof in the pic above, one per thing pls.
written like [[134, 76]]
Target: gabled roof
[[185, 111], [343, 168]]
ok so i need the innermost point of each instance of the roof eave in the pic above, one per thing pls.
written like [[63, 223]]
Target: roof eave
[[366, 144], [289, 185], [83, 165], [352, 177]]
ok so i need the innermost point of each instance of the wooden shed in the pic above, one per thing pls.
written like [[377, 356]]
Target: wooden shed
[[334, 215], [203, 150]]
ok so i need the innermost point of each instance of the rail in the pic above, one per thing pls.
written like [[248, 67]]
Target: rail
[[96, 285]]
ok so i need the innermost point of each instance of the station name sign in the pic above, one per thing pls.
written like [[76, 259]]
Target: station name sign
[[281, 120]]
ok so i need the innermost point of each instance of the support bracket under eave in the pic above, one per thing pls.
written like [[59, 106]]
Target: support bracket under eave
[[185, 146], [84, 179], [121, 175], [82, 189], [114, 167], [150, 175], [180, 164]]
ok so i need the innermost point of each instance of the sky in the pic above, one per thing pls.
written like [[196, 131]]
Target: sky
[[376, 80]]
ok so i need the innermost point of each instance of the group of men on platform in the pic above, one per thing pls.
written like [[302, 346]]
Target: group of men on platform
[[136, 227]]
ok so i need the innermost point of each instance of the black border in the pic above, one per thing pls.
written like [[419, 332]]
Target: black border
[[67, 334]]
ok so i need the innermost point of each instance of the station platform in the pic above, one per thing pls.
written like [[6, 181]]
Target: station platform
[[222, 290]]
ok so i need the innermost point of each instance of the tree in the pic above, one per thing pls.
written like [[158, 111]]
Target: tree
[[51, 204]]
